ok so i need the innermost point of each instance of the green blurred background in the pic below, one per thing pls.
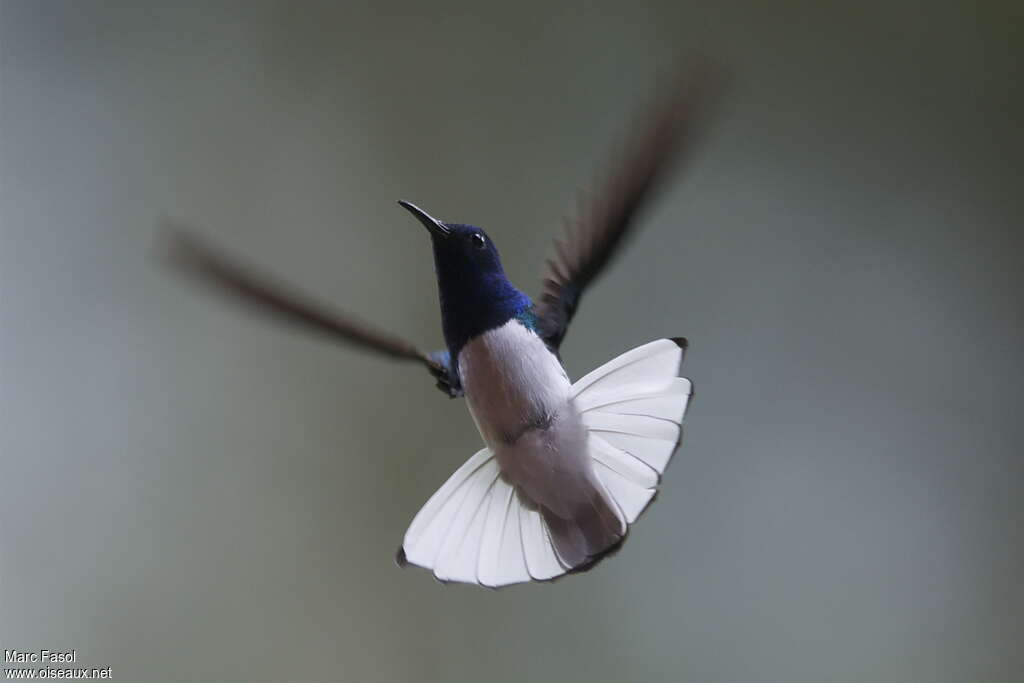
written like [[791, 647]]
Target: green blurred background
[[189, 492]]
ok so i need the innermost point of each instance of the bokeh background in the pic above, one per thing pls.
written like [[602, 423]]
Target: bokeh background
[[189, 492]]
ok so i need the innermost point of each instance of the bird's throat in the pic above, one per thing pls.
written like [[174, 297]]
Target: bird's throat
[[471, 307]]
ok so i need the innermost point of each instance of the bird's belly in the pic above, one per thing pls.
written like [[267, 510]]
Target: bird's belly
[[519, 397], [512, 382]]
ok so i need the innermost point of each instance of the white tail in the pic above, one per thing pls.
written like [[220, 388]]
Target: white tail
[[477, 528]]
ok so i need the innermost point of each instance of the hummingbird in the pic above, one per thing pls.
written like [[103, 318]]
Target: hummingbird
[[567, 467]]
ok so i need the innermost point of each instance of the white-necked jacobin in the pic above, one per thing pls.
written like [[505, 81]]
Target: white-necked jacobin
[[567, 467]]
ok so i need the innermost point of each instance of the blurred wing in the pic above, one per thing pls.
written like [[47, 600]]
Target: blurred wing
[[259, 292], [605, 217]]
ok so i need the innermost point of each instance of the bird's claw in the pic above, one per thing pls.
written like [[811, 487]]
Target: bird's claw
[[448, 389]]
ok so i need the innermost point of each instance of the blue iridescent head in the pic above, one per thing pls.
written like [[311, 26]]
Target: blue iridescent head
[[475, 294]]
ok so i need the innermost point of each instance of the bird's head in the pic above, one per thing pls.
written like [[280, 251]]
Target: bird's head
[[462, 251], [475, 293]]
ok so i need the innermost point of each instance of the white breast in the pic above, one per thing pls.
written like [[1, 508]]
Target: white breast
[[511, 381]]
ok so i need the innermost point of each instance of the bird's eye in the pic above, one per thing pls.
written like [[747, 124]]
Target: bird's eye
[[478, 240]]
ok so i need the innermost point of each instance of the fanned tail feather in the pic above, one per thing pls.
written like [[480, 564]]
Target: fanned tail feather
[[479, 528]]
